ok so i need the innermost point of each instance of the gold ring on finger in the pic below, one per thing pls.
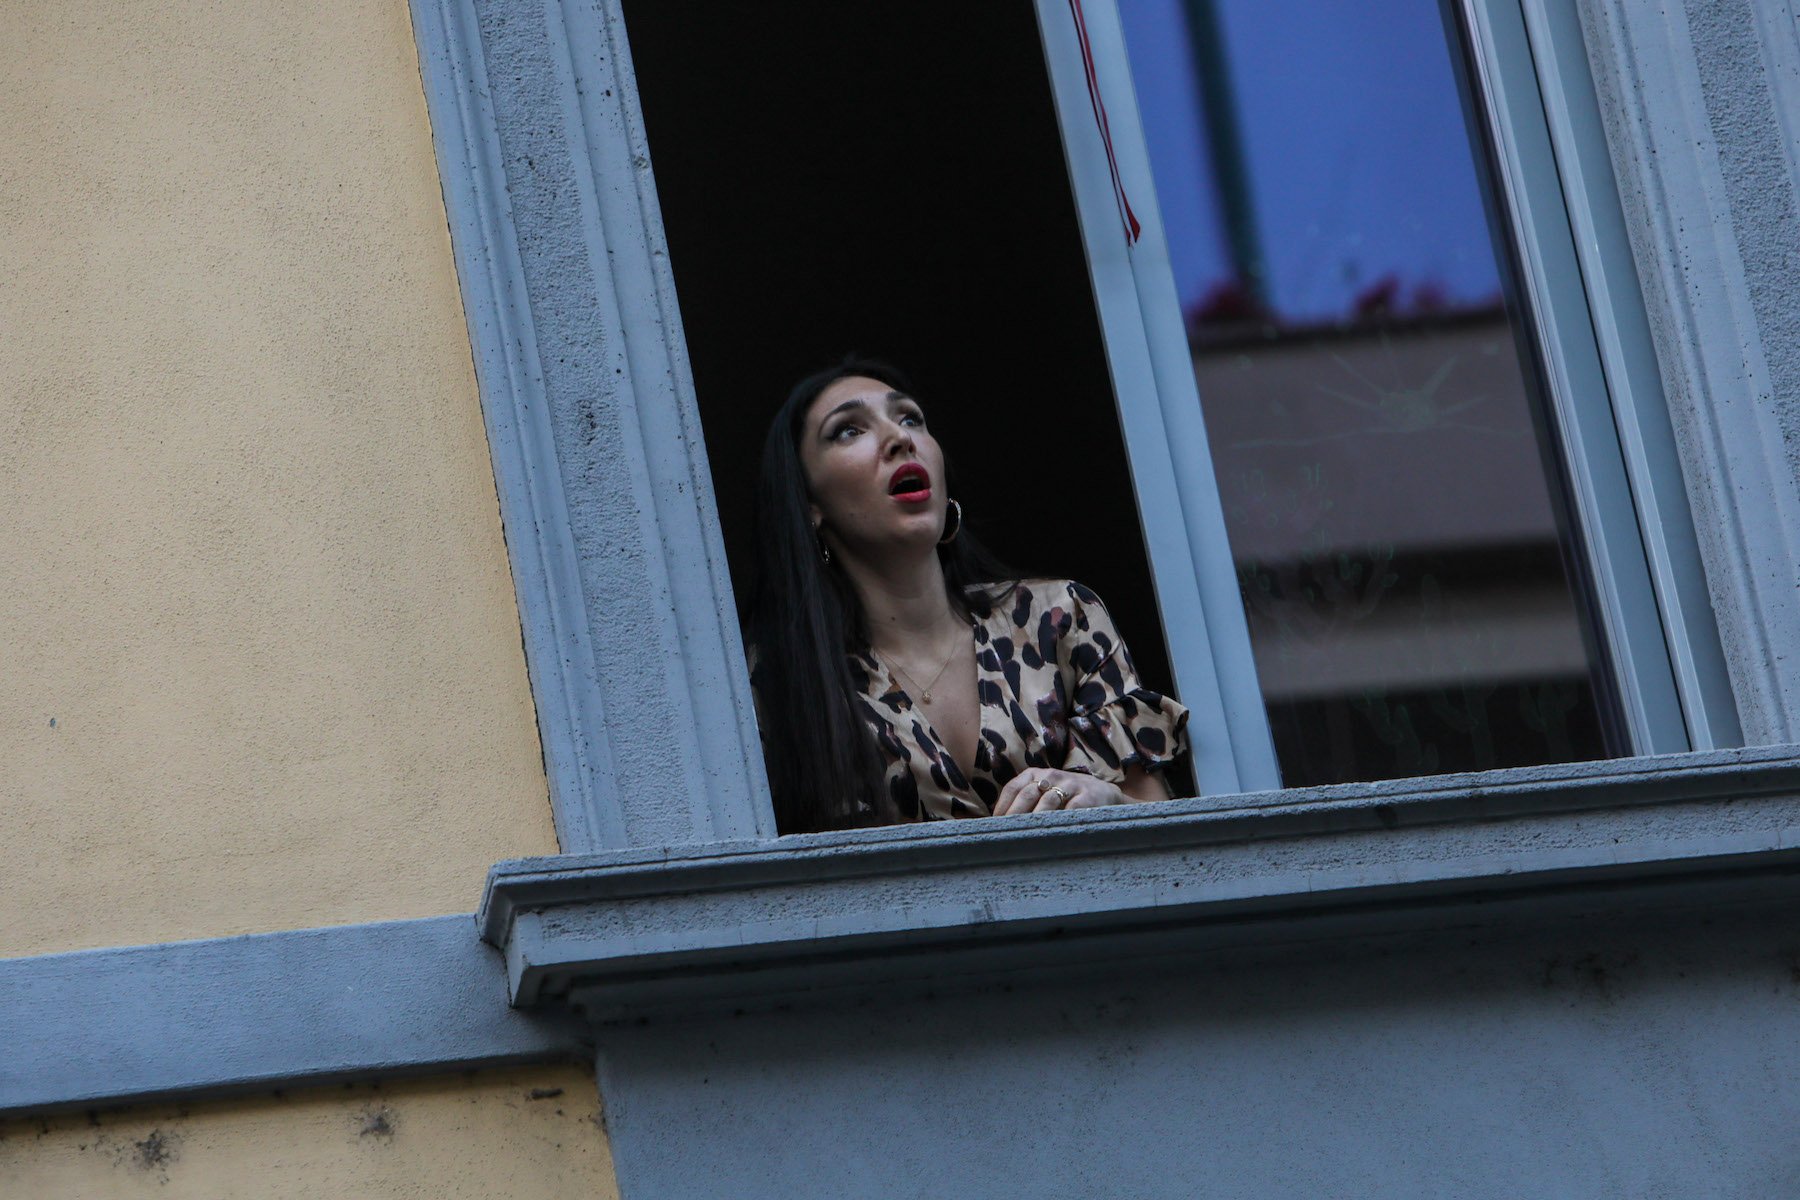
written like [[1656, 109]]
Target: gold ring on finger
[[1059, 792]]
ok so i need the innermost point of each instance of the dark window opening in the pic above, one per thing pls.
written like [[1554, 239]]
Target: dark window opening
[[889, 179]]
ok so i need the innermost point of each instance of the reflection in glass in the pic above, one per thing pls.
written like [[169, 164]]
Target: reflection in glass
[[1395, 516]]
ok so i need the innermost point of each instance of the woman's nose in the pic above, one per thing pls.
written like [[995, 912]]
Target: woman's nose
[[899, 439]]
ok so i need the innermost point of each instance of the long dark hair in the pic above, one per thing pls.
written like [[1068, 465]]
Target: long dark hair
[[824, 767]]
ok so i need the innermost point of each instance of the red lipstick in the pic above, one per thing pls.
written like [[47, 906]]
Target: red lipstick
[[910, 482]]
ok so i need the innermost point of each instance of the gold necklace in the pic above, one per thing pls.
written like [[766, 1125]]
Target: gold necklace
[[923, 693]]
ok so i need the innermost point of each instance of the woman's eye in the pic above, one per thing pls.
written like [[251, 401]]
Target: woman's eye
[[842, 432], [915, 419]]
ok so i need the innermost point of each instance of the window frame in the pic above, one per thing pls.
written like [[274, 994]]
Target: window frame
[[1565, 94], [547, 154], [1550, 167], [614, 542], [1595, 335]]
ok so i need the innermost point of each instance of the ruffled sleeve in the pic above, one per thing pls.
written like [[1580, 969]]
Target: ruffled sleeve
[[1114, 721]]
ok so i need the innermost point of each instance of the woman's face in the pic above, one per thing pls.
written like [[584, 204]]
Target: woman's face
[[876, 474]]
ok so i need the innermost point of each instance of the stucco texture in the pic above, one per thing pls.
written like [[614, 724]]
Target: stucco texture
[[514, 1135], [259, 645]]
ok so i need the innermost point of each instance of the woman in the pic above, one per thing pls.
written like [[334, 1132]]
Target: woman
[[896, 678]]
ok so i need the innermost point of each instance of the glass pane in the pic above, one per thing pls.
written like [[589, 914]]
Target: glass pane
[[1396, 515]]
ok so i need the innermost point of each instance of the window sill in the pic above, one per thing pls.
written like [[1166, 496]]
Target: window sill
[[635, 933]]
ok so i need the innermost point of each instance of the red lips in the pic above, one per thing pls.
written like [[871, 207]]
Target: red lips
[[910, 481]]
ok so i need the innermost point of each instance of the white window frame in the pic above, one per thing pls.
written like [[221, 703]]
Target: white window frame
[[1530, 79]]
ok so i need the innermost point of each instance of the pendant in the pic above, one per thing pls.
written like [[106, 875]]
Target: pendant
[[925, 698]]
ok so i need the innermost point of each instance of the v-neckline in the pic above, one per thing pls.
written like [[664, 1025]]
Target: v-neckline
[[967, 790]]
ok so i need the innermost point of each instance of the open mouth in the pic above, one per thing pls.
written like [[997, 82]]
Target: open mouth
[[910, 482]]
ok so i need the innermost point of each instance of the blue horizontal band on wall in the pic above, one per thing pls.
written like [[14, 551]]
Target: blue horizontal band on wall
[[230, 1015]]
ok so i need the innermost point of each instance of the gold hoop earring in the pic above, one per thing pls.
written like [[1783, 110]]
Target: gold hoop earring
[[954, 529]]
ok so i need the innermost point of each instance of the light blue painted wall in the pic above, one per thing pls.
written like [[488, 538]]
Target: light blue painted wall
[[188, 1020], [1557, 981], [1651, 1058]]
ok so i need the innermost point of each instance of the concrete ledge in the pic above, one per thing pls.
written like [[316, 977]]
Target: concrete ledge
[[636, 934], [201, 1019]]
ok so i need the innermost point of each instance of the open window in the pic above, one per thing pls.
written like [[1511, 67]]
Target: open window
[[1293, 361], [1444, 474], [890, 180]]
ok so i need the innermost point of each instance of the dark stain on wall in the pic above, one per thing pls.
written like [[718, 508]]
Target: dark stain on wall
[[1593, 974], [156, 1151], [377, 1122]]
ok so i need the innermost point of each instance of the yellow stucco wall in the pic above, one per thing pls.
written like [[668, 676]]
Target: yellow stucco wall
[[259, 656], [513, 1135]]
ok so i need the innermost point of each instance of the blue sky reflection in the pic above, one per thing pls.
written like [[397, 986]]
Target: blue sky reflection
[[1358, 161]]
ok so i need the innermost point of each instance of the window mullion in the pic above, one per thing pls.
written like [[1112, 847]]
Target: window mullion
[[1642, 637], [1622, 334]]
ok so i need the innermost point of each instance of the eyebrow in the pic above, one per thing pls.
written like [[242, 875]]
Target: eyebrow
[[857, 402]]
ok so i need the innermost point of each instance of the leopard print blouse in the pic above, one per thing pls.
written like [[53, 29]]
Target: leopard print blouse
[[1056, 689]]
